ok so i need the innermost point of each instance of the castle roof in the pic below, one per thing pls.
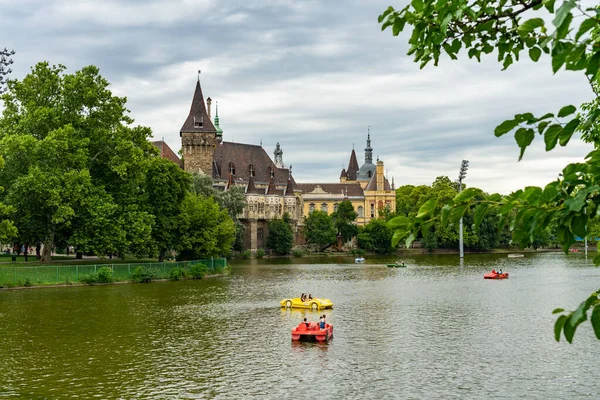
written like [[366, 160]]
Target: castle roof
[[241, 157], [372, 185], [352, 167], [166, 152], [198, 119], [346, 189]]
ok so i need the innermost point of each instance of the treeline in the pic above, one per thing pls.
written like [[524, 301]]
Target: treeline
[[76, 172]]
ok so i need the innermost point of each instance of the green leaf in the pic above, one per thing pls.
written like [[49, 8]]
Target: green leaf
[[524, 137], [398, 235], [567, 131], [551, 136], [427, 208], [531, 194], [418, 5], [563, 29], [558, 59], [563, 12], [505, 127], [585, 26], [507, 62], [550, 192], [566, 110], [387, 12], [479, 214], [466, 195], [399, 222], [595, 320], [530, 25], [549, 4], [579, 224], [576, 203], [457, 212], [398, 26], [542, 125], [445, 22], [593, 64], [558, 310], [558, 326], [409, 239], [535, 53], [565, 238]]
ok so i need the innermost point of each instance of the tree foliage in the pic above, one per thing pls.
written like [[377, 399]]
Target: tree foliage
[[375, 236], [343, 219], [571, 38], [319, 229], [7, 229], [281, 237]]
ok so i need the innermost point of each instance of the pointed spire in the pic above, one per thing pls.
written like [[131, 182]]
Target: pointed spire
[[353, 168], [217, 127], [198, 120], [393, 184], [272, 189], [369, 149], [289, 189]]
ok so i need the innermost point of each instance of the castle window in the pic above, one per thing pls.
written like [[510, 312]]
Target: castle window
[[271, 172], [251, 169], [361, 211], [198, 123], [324, 207], [370, 173], [372, 210], [311, 208], [260, 234], [232, 168]]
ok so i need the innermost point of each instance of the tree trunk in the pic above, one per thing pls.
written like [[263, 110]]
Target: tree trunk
[[48, 245], [38, 250], [161, 255], [26, 251]]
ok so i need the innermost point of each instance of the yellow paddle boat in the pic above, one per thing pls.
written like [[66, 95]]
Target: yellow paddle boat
[[311, 304]]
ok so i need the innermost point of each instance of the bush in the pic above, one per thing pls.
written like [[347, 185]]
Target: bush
[[298, 253], [177, 274], [246, 254], [198, 271], [105, 275], [260, 253], [27, 283], [143, 275], [89, 279]]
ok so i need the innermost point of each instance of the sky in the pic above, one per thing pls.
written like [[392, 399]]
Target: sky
[[311, 75]]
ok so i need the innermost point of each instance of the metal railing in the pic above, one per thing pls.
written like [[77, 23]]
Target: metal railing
[[64, 274]]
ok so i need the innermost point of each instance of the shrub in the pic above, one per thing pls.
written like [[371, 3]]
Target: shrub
[[177, 274], [197, 271], [105, 275], [298, 253], [27, 283], [89, 279], [246, 254], [260, 253], [143, 275]]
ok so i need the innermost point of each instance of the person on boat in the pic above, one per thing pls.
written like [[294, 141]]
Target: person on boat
[[500, 271], [402, 263], [305, 322], [303, 297], [322, 322], [309, 296]]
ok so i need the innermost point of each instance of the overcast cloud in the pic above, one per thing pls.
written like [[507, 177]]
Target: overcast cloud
[[311, 75]]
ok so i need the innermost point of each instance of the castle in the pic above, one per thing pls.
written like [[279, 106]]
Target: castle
[[269, 186]]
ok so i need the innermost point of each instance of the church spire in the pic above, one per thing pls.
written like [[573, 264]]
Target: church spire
[[278, 153], [369, 149], [198, 119], [217, 127]]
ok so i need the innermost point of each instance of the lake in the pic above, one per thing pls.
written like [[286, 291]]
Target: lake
[[435, 329]]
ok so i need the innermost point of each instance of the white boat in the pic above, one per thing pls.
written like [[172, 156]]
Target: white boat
[[515, 255], [359, 260]]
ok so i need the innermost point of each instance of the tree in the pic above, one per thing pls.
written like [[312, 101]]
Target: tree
[[7, 229], [75, 165], [319, 229], [343, 219], [480, 27], [376, 236], [209, 228], [281, 237]]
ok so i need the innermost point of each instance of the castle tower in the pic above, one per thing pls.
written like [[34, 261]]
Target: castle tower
[[278, 153], [198, 136], [369, 149], [217, 127]]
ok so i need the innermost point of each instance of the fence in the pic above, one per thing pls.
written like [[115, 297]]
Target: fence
[[49, 275]]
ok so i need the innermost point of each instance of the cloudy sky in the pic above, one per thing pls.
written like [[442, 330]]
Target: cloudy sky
[[312, 75]]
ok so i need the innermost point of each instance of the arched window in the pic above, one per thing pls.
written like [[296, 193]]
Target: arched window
[[324, 207], [370, 173], [232, 168], [251, 169], [361, 211], [311, 208]]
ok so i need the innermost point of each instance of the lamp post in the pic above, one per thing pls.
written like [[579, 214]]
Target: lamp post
[[5, 61], [464, 166]]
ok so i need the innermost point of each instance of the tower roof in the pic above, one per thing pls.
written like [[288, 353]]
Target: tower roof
[[198, 119], [217, 127], [352, 167]]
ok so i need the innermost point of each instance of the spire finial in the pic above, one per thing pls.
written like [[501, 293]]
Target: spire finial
[[369, 131], [199, 75], [217, 110], [261, 142]]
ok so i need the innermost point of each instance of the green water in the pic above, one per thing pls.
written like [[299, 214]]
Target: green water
[[435, 329]]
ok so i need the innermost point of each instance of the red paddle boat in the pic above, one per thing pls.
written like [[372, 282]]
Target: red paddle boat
[[310, 332], [495, 275]]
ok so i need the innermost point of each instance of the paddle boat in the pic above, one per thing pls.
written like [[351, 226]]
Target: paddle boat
[[359, 260], [310, 332], [516, 255], [311, 304], [495, 275], [397, 264]]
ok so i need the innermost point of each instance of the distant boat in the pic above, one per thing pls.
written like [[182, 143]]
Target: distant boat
[[516, 255], [359, 260]]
